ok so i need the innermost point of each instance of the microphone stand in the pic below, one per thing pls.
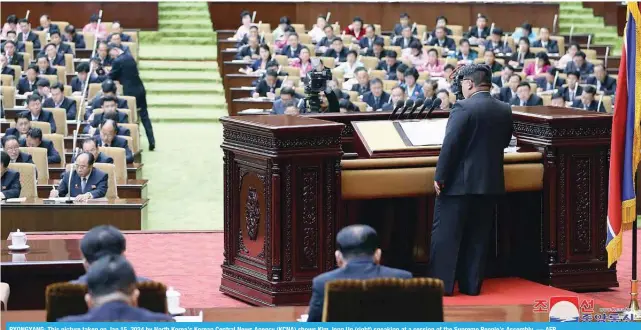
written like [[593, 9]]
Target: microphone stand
[[83, 96]]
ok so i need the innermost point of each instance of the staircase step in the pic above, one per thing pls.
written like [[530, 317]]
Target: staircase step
[[564, 5], [183, 88], [145, 65], [188, 114], [181, 5], [581, 20], [192, 101], [185, 24], [181, 76], [576, 11], [173, 32], [186, 41], [171, 52], [178, 14]]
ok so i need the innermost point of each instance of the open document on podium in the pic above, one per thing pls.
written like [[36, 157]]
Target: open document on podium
[[422, 132]]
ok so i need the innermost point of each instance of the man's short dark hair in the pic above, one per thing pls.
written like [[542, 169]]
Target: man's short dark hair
[[12, 19], [101, 241], [328, 26], [525, 84], [32, 67], [482, 16], [448, 66], [515, 75], [590, 90], [497, 31], [5, 159], [577, 74], [391, 53], [443, 91], [375, 81], [553, 71], [358, 19], [111, 274], [34, 97], [337, 39], [272, 73], [432, 83], [379, 42], [359, 69], [411, 72], [70, 29], [527, 26], [11, 32], [109, 86], [357, 240], [43, 56], [253, 27], [352, 52], [581, 54], [8, 138], [93, 18], [8, 42], [400, 87], [23, 20], [23, 115], [43, 83], [90, 140], [83, 67], [401, 68], [109, 116], [463, 41], [575, 44], [35, 133], [480, 74], [287, 91], [405, 15], [108, 98], [52, 32], [441, 18], [58, 86], [244, 13]]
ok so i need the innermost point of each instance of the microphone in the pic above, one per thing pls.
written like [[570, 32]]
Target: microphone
[[399, 105], [408, 104], [436, 104], [417, 104], [69, 200], [426, 104]]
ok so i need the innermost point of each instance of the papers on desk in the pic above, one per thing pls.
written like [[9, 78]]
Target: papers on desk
[[423, 132], [196, 318], [231, 39], [241, 61], [16, 200], [59, 200], [253, 111]]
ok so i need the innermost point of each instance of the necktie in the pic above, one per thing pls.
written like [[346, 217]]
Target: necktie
[[375, 100], [522, 103], [571, 95], [585, 107], [549, 87], [107, 145], [9, 59], [83, 184], [544, 44], [480, 33], [598, 85]]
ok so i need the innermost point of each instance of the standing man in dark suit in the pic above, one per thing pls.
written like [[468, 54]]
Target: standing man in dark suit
[[13, 58], [125, 70], [603, 82], [26, 34], [87, 182], [468, 182], [59, 100], [10, 179], [34, 140], [34, 104], [358, 256], [525, 97], [376, 97]]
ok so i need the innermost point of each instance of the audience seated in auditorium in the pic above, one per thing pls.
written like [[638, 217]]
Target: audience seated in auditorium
[[102, 54], [525, 97], [465, 55], [489, 59], [507, 93], [116, 28], [44, 89], [108, 88], [548, 83], [303, 63], [46, 25], [87, 182], [441, 21], [539, 67], [355, 29], [280, 30], [479, 32], [246, 22], [267, 86], [61, 47], [579, 64], [59, 100], [4, 67], [367, 42], [362, 84], [108, 105], [100, 31], [603, 82], [444, 95], [34, 140], [260, 64], [317, 33], [568, 57], [282, 42], [398, 94], [406, 39], [13, 58], [78, 82], [337, 50], [71, 35], [496, 44], [115, 41], [502, 80], [91, 146], [524, 32], [23, 124], [286, 97], [430, 87], [293, 47], [250, 51], [13, 36], [376, 97], [10, 179], [442, 40], [54, 57], [10, 25], [27, 35], [112, 294], [358, 257], [326, 42], [523, 52], [253, 32], [587, 101], [573, 90], [557, 100], [403, 22], [416, 55], [377, 50], [43, 66], [413, 90], [544, 41], [34, 106], [389, 65], [349, 67], [11, 145]]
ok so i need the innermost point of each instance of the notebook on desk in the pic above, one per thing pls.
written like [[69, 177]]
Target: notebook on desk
[[422, 132]]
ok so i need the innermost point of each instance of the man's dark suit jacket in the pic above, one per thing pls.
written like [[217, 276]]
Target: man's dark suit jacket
[[586, 69], [359, 269], [447, 42], [505, 94], [97, 184], [400, 42], [68, 104], [369, 99], [592, 107], [107, 61], [609, 86], [31, 37], [324, 42], [566, 93], [9, 71], [501, 47], [11, 184], [370, 52], [125, 70], [52, 154], [23, 85], [24, 157], [45, 116], [342, 55], [49, 71], [120, 130], [390, 72], [533, 100], [246, 51], [16, 59], [118, 311], [63, 49], [102, 158], [262, 88], [14, 131], [474, 32], [95, 104], [58, 60], [541, 82], [398, 29], [119, 142], [364, 42], [52, 27], [76, 84], [78, 40], [360, 89], [123, 118], [479, 128], [448, 32], [552, 46], [287, 51]]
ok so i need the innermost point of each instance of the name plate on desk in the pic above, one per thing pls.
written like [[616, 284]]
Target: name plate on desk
[[404, 138]]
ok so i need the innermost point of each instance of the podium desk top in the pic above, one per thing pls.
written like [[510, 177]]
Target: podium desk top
[[281, 123]]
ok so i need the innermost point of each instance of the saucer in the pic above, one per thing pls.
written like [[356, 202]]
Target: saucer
[[18, 248], [177, 311]]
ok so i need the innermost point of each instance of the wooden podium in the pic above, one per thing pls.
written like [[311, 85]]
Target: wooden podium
[[288, 192]]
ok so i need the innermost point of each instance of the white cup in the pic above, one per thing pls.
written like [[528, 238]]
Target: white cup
[[18, 238], [173, 299]]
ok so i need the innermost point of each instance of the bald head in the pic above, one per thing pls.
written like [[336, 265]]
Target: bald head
[[108, 131]]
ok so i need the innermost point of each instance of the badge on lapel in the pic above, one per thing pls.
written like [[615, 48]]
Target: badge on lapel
[[76, 186], [4, 187], [93, 186]]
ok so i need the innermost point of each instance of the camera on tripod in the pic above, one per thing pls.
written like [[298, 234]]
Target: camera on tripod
[[316, 82], [456, 87]]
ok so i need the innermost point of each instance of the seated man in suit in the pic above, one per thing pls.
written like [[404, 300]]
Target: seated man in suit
[[403, 22], [573, 90], [116, 28], [507, 93], [10, 51], [46, 25], [377, 50], [43, 66], [398, 94], [11, 145], [78, 82], [479, 32], [362, 77], [23, 124], [444, 95], [525, 97], [465, 55], [34, 140], [91, 146], [109, 138], [61, 47], [102, 54], [603, 82], [548, 82], [250, 51], [496, 44], [326, 42], [5, 68], [108, 88], [253, 32], [587, 101], [26, 34], [337, 50], [27, 84], [51, 51], [59, 100], [116, 117], [367, 42], [442, 40], [406, 38], [292, 50], [10, 179], [358, 256], [87, 182], [44, 89], [13, 36], [389, 65], [376, 97], [98, 242], [72, 36], [580, 64], [108, 106], [34, 105], [267, 86], [430, 89], [286, 96], [544, 41], [112, 294], [557, 100]]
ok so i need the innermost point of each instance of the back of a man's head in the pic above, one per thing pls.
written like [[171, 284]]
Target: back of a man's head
[[102, 241], [357, 241], [111, 278]]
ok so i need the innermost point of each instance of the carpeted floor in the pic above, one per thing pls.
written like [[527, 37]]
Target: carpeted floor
[[190, 263]]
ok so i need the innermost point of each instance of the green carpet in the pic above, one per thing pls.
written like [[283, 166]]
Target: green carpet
[[185, 96], [573, 14]]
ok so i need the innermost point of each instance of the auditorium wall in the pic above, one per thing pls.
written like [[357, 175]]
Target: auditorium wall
[[132, 15], [226, 15]]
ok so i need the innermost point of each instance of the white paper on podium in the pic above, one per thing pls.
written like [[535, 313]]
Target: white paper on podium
[[428, 132]]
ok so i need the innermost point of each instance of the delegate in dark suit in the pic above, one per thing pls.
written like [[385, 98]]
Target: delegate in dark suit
[[49, 71], [78, 40], [68, 104], [365, 42], [608, 86], [119, 142], [405, 43], [445, 43], [374, 102], [551, 45], [533, 100], [24, 157], [506, 94], [342, 55], [52, 154], [290, 52], [469, 173], [262, 88], [58, 60], [45, 116], [123, 118], [97, 184], [118, 310], [390, 71], [542, 83], [567, 93], [96, 104], [125, 70], [590, 107], [11, 184], [246, 51], [16, 59], [102, 158], [9, 71], [14, 131], [474, 32], [31, 37], [122, 131], [24, 86]]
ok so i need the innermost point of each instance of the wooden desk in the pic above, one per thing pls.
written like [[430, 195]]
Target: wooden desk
[[502, 313], [230, 67], [249, 103], [241, 92], [134, 171], [35, 215], [29, 272], [131, 189], [83, 53], [229, 54], [232, 80]]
